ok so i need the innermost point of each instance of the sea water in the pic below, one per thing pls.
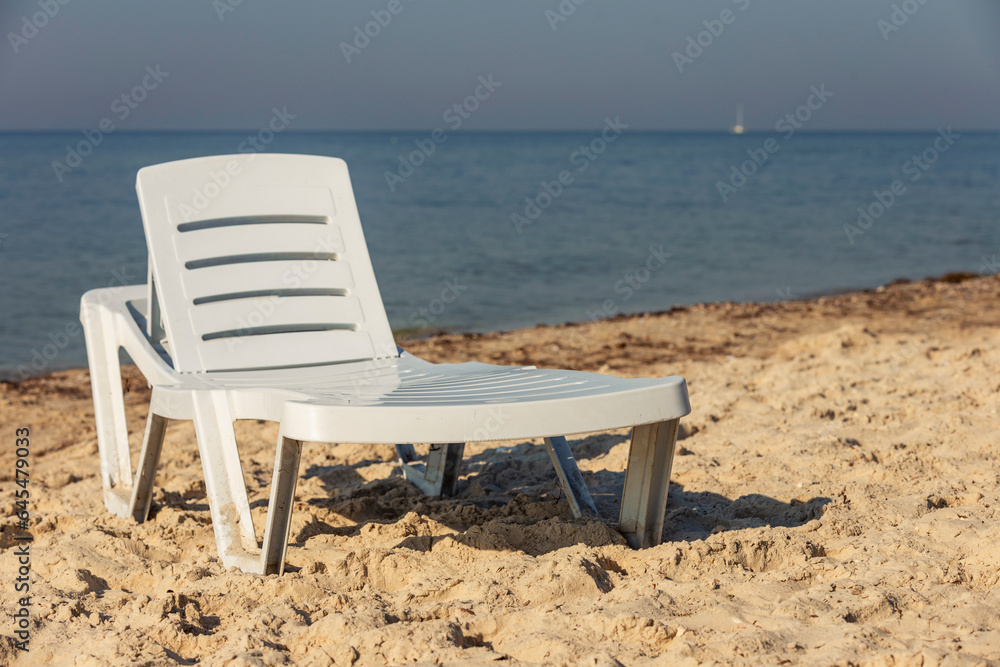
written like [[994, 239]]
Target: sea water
[[493, 231]]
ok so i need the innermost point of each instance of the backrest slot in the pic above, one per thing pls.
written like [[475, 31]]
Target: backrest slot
[[232, 296], [271, 270], [252, 220], [279, 328], [259, 257]]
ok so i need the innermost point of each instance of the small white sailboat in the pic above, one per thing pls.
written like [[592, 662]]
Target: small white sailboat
[[738, 128]]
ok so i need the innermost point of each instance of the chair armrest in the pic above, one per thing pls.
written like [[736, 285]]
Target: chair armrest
[[124, 309]]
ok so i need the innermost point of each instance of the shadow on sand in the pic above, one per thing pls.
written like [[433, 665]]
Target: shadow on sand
[[511, 492]]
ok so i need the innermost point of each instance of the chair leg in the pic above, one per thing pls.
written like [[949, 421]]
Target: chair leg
[[109, 408], [279, 509], [647, 481], [570, 479], [452, 468], [149, 458], [224, 484], [440, 474], [406, 453]]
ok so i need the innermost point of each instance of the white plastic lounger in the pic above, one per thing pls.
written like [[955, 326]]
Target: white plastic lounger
[[262, 304]]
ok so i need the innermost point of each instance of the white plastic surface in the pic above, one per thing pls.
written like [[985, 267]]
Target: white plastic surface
[[331, 373], [269, 245]]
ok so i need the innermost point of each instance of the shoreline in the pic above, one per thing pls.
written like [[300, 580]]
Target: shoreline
[[952, 277], [886, 298], [406, 337], [949, 277]]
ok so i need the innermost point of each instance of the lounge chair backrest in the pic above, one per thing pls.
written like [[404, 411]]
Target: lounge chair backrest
[[259, 261]]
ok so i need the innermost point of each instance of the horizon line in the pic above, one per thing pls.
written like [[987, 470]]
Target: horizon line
[[500, 131]]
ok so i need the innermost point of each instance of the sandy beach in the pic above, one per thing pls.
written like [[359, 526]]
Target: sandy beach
[[834, 502]]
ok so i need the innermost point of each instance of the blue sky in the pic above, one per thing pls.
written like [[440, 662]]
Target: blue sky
[[935, 66]]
